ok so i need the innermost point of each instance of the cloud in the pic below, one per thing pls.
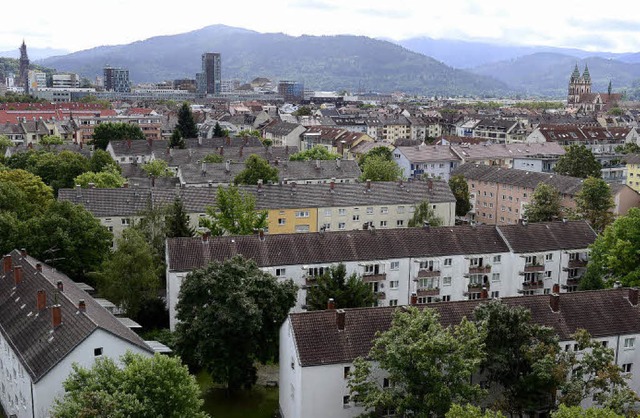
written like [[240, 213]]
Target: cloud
[[608, 25], [314, 5], [386, 14]]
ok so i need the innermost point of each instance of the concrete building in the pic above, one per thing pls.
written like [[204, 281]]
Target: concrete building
[[63, 81], [426, 160], [211, 76], [291, 91], [116, 80]]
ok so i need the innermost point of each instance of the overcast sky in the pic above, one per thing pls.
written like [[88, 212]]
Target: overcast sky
[[612, 25]]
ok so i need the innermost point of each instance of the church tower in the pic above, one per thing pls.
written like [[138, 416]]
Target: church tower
[[578, 85], [23, 80]]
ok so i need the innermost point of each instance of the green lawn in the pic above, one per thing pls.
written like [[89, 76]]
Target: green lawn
[[259, 402]]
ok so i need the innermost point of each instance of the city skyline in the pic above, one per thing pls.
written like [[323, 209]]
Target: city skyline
[[573, 24]]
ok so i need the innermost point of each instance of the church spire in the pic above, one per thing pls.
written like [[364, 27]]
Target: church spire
[[576, 73], [586, 75]]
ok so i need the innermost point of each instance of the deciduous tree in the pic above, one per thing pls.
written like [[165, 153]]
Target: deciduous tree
[[101, 159], [115, 131], [347, 292], [234, 213], [377, 168], [429, 367], [460, 190], [24, 193], [318, 152], [108, 178], [578, 162], [470, 411], [230, 314], [256, 168], [424, 213], [157, 168], [594, 203], [577, 412], [545, 204], [145, 387]]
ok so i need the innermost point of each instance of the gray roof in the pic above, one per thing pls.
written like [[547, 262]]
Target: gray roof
[[427, 153], [528, 179], [109, 202], [319, 342], [475, 152], [320, 169], [30, 333], [185, 254], [281, 128], [66, 146], [138, 147]]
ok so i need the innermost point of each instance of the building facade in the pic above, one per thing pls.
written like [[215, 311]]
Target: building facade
[[116, 80], [211, 73]]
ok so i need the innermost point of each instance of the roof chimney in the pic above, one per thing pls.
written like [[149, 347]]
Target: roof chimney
[[7, 263], [199, 140], [430, 185], [556, 288], [205, 236], [332, 184], [56, 316], [150, 142], [82, 305], [340, 319], [41, 300], [338, 162], [633, 296], [92, 185], [368, 185], [125, 184], [23, 252], [414, 299], [484, 294], [554, 302], [204, 167], [240, 151], [60, 285], [259, 185], [331, 303], [17, 275], [221, 150], [261, 234], [129, 143], [227, 166], [39, 267], [318, 164]]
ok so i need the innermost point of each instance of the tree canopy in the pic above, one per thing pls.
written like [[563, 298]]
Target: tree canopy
[[381, 152], [145, 387], [177, 140], [157, 168], [460, 190], [347, 292], [186, 124], [578, 161], [428, 366], [34, 195], [577, 412], [108, 178], [377, 168], [470, 411], [318, 152], [594, 203], [115, 131], [424, 213], [178, 220], [230, 314], [101, 159], [234, 213], [213, 157], [256, 168], [545, 204]]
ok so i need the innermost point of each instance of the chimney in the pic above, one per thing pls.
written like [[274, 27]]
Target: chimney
[[92, 185], [41, 300], [227, 166], [60, 285], [338, 162], [554, 302], [332, 184], [82, 305], [331, 303], [368, 185], [318, 164], [484, 294], [261, 234], [286, 149], [617, 284], [400, 183], [414, 299], [39, 267], [293, 187], [204, 167], [56, 316], [556, 288], [7, 263], [199, 140], [125, 184], [430, 185], [276, 162], [633, 296], [205, 237], [150, 142], [221, 150], [340, 319], [23, 252], [240, 151], [17, 275], [128, 143], [228, 140]]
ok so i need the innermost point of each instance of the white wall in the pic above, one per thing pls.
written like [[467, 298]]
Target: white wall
[[290, 379], [15, 383]]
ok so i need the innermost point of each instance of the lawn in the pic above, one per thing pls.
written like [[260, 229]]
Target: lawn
[[259, 402]]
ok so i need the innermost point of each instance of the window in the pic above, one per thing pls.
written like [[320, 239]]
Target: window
[[369, 211], [393, 284], [341, 225], [326, 226], [495, 294], [302, 228], [447, 262], [302, 214], [346, 371], [372, 269], [315, 271], [282, 221], [395, 265], [400, 222], [548, 257], [281, 272], [495, 277], [342, 212], [605, 343], [626, 368], [97, 352], [497, 259], [383, 224], [547, 274], [400, 209], [125, 221], [346, 400], [386, 383], [356, 217], [327, 212], [629, 342], [446, 281], [384, 209], [393, 302], [446, 298]]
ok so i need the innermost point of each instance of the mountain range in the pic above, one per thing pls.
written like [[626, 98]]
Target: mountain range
[[358, 63]]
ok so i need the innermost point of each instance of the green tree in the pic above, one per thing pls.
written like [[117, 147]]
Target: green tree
[[108, 178], [69, 238], [318, 152], [347, 292], [594, 374], [234, 213], [186, 124], [594, 203], [523, 361], [256, 168], [11, 230], [115, 131], [157, 168], [101, 159], [429, 366], [128, 276], [628, 148], [578, 161], [470, 411], [145, 387], [460, 190], [303, 111], [5, 143], [176, 140], [48, 140], [218, 132], [213, 157], [152, 225], [381, 152], [178, 221], [545, 204], [423, 212], [58, 170], [24, 193], [380, 169], [245, 133], [614, 254], [577, 412], [230, 314]]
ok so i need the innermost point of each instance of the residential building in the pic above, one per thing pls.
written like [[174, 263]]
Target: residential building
[[116, 79], [135, 152], [36, 80], [503, 155], [318, 349], [426, 160], [284, 133], [633, 171], [151, 125], [47, 325], [426, 264], [291, 91], [64, 81]]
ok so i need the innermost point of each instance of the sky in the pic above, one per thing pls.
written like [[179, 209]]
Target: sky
[[82, 24]]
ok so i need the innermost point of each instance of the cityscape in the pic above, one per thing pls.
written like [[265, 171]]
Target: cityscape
[[232, 223]]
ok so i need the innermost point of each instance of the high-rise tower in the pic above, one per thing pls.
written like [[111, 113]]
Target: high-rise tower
[[23, 79], [211, 73]]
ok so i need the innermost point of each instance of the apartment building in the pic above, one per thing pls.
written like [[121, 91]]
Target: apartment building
[[150, 125], [633, 171], [426, 160], [418, 265]]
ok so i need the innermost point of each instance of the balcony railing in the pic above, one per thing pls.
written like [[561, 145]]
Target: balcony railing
[[477, 287], [537, 284], [370, 277], [532, 268], [381, 295], [479, 269], [428, 273], [577, 264], [427, 291]]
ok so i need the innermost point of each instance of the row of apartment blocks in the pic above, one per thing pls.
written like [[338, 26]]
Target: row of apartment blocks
[[410, 265], [290, 207]]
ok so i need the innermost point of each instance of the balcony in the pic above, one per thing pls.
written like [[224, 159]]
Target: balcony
[[381, 295], [370, 277], [573, 281], [310, 280], [428, 273], [533, 268], [426, 291], [536, 284], [479, 269], [477, 287], [573, 264]]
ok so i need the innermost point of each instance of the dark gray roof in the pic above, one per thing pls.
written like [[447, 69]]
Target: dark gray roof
[[320, 169], [138, 147], [225, 142], [319, 342], [547, 236], [67, 146], [109, 202], [281, 128], [31, 334], [529, 179]]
